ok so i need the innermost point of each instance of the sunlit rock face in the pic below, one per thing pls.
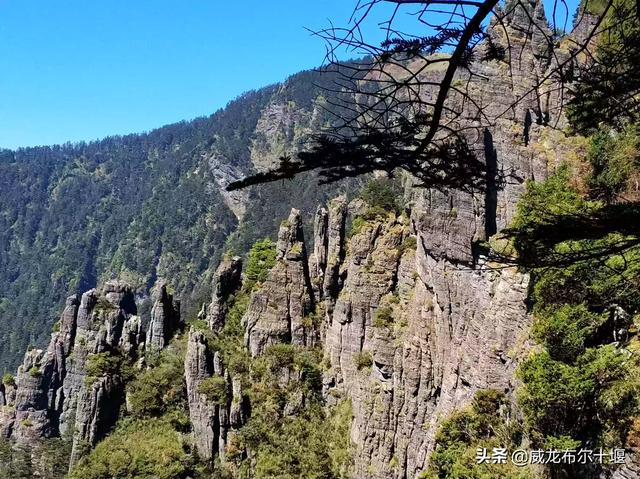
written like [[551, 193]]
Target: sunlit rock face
[[75, 387]]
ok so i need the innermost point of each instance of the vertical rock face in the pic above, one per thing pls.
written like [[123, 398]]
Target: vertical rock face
[[411, 337], [213, 421], [95, 392], [226, 281], [75, 387], [335, 245], [198, 366], [277, 310], [318, 261], [165, 317], [33, 404]]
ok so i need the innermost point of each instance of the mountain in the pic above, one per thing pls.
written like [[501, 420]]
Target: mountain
[[143, 207], [367, 330]]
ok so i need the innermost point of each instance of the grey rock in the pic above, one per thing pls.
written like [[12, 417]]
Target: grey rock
[[203, 414], [278, 308], [226, 281], [165, 319]]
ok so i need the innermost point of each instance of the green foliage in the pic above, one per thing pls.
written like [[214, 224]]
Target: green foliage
[[141, 449], [230, 341], [582, 386], [544, 201], [215, 389], [598, 280], [35, 372], [362, 360], [260, 260], [564, 331], [310, 442], [553, 396], [383, 317], [8, 379], [17, 461], [612, 157], [137, 207], [339, 446], [356, 226], [109, 363], [381, 194], [410, 243], [485, 424], [160, 388], [606, 92]]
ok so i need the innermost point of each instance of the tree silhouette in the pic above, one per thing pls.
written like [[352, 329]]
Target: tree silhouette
[[408, 102]]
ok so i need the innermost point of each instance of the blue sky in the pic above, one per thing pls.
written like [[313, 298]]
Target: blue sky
[[75, 70]]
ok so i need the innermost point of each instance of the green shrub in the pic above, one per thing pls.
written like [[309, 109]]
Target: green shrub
[[8, 379], [564, 331], [410, 243], [362, 360], [379, 193], [543, 202], [35, 372], [141, 449], [103, 364], [485, 424], [111, 364], [356, 226], [553, 396], [280, 355], [383, 317], [104, 306], [215, 389], [260, 260], [159, 388], [612, 157]]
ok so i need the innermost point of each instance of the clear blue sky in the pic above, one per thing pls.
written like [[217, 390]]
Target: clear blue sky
[[75, 70]]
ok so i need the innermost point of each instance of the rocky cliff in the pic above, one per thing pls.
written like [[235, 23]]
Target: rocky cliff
[[410, 315], [76, 387]]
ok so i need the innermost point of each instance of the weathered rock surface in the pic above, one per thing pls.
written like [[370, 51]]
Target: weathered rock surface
[[277, 310], [335, 245], [226, 281], [165, 318], [451, 325], [629, 470], [198, 365], [212, 422], [75, 387]]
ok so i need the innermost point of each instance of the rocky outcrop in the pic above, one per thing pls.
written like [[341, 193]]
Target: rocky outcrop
[[415, 318], [277, 311], [318, 260], [94, 391], [226, 281], [76, 386], [214, 420], [198, 366], [335, 245], [629, 470], [165, 318]]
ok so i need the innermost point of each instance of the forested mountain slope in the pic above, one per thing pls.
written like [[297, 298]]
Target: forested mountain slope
[[139, 207], [393, 332]]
